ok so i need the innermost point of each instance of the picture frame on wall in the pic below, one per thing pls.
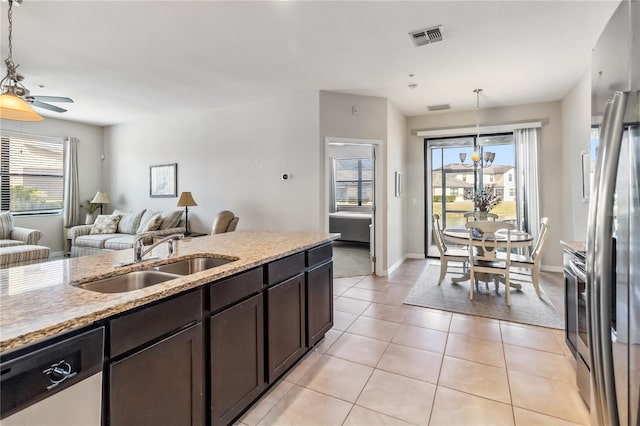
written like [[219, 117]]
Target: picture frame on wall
[[399, 184], [163, 180]]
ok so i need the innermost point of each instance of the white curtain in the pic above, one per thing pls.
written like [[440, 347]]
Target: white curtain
[[332, 187], [528, 187], [71, 192]]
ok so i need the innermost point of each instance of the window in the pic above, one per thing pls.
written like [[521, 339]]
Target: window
[[354, 181], [510, 177], [31, 174]]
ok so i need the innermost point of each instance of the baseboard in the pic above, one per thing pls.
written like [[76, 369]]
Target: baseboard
[[56, 254], [396, 265], [414, 256], [550, 268]]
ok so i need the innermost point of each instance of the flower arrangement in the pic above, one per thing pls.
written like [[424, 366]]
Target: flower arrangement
[[90, 207], [484, 200]]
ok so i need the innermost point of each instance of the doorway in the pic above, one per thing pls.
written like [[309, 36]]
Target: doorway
[[351, 206], [449, 181]]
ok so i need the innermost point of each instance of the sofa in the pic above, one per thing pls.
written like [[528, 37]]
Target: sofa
[[19, 246], [119, 230]]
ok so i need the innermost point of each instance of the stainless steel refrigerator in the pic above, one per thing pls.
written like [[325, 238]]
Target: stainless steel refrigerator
[[613, 240]]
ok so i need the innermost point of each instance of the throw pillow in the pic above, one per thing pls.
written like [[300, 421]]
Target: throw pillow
[[171, 220], [6, 225], [145, 221], [129, 222], [105, 224], [152, 224]]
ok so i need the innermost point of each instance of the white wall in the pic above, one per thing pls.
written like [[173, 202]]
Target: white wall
[[396, 206], [89, 170], [229, 158], [576, 124], [550, 154]]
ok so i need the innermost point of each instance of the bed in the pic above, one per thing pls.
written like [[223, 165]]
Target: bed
[[354, 226]]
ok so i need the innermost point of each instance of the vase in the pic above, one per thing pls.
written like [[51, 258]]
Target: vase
[[483, 215], [90, 218]]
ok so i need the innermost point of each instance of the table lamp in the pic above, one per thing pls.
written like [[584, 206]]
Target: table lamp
[[101, 198], [186, 200]]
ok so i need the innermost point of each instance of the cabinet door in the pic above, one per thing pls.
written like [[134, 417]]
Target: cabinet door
[[319, 302], [161, 384], [237, 359], [285, 325]]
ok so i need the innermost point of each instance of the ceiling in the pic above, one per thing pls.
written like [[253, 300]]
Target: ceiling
[[122, 61]]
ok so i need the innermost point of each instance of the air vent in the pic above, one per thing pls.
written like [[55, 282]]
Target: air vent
[[427, 36], [438, 107]]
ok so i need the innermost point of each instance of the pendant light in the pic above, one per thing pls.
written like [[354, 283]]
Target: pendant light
[[12, 106], [476, 156]]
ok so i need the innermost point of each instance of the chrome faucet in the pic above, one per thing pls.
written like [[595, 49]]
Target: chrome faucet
[[139, 250]]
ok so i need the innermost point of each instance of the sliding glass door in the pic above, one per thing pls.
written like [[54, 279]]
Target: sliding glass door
[[450, 182]]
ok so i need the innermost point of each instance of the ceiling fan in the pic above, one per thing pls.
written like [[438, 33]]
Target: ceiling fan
[[15, 99], [15, 87]]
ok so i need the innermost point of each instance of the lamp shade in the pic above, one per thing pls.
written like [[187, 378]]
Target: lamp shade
[[101, 198], [14, 108], [186, 200]]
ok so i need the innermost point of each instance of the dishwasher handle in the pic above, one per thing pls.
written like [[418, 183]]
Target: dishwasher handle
[[58, 373]]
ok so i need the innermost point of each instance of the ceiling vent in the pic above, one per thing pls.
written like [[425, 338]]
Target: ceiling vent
[[427, 36], [438, 107]]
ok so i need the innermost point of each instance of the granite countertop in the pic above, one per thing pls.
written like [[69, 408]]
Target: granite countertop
[[42, 300]]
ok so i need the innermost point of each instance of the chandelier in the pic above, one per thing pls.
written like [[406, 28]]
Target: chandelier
[[478, 160]]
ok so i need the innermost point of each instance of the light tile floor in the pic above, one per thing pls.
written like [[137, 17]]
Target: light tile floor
[[385, 363]]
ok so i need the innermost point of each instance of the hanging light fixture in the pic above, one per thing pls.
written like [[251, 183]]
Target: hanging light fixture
[[476, 157], [12, 106]]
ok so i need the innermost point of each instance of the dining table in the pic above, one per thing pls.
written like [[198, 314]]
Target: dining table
[[460, 236]]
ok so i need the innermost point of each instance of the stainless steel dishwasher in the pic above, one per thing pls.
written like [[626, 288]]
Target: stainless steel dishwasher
[[58, 382]]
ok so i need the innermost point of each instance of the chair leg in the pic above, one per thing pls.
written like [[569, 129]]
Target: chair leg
[[535, 273], [472, 283], [507, 288], [443, 270]]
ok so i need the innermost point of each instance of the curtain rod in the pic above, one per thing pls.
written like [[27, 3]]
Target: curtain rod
[[464, 131]]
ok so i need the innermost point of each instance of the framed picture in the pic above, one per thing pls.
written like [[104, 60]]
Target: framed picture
[[163, 180], [399, 184], [586, 175]]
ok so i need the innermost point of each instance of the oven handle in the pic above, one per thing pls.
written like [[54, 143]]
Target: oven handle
[[577, 271]]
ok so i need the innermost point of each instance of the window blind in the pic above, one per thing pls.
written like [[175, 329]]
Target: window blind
[[31, 173]]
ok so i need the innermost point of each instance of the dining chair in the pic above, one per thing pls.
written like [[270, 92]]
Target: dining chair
[[447, 254], [473, 215], [534, 260], [483, 259]]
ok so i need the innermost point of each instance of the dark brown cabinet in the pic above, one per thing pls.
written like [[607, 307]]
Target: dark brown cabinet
[[319, 302], [236, 359], [161, 384], [286, 330]]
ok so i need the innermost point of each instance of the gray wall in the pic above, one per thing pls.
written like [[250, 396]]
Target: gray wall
[[230, 159], [89, 170], [576, 124]]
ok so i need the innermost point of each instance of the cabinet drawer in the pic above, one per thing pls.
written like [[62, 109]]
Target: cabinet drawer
[[139, 327], [225, 292], [320, 254], [283, 269]]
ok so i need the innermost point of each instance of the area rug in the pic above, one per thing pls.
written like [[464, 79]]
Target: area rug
[[525, 308]]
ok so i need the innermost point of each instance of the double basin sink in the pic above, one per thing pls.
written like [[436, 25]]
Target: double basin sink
[[137, 280]]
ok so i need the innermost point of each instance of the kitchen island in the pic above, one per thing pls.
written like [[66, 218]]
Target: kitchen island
[[236, 327]]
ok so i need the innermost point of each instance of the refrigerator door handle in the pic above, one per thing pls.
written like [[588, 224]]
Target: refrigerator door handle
[[601, 264]]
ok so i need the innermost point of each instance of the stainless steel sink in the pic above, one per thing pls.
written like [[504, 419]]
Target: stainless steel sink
[[128, 282], [191, 266]]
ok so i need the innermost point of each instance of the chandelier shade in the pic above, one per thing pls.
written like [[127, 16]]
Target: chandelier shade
[[14, 108]]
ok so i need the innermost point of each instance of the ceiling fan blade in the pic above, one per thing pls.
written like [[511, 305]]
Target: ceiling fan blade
[[52, 99], [47, 106]]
